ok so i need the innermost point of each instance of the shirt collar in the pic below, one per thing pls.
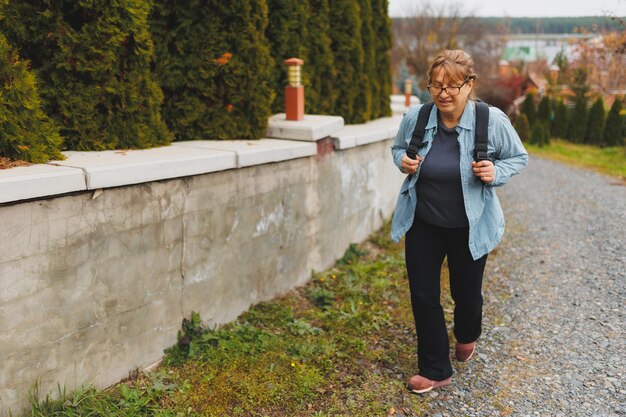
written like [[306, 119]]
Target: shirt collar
[[467, 118]]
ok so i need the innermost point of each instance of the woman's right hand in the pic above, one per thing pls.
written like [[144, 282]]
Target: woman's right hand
[[410, 165]]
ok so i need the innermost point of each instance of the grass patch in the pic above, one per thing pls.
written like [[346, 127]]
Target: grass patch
[[610, 160], [343, 345]]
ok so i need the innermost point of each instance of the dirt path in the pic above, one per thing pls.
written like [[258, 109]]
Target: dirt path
[[553, 341]]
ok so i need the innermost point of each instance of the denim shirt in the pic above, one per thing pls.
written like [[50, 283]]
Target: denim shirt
[[484, 214]]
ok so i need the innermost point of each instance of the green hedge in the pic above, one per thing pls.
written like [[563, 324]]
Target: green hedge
[[383, 38], [614, 131], [595, 125], [92, 59], [287, 33], [25, 132], [345, 34], [215, 70], [213, 62], [319, 68]]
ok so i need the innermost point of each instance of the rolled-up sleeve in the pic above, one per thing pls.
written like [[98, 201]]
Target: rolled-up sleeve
[[510, 155]]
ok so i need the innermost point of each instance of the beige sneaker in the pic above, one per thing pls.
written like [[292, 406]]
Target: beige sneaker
[[464, 351], [419, 385]]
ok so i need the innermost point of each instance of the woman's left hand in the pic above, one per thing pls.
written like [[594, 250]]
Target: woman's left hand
[[485, 170]]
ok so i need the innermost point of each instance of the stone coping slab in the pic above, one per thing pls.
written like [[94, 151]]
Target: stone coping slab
[[41, 180], [362, 134], [256, 152], [94, 170], [116, 168], [311, 129]]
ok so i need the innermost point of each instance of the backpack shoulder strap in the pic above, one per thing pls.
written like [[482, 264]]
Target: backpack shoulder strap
[[480, 139], [420, 128]]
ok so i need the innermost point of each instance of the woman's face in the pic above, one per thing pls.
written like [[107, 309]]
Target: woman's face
[[450, 104]]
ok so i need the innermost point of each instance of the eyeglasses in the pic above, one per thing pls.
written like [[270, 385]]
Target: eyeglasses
[[450, 90]]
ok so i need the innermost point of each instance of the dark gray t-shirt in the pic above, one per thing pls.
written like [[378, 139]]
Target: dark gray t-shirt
[[439, 192]]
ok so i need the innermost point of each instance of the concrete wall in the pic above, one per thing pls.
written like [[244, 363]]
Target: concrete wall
[[92, 288]]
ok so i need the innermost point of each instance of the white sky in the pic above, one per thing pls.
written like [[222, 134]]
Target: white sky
[[521, 8]]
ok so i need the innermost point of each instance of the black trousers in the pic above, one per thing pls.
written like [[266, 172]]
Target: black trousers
[[426, 246]]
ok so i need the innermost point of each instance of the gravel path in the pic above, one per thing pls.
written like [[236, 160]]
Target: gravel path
[[553, 341]]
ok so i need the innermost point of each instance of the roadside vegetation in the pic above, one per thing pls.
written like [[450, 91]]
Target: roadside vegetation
[[343, 345], [608, 160]]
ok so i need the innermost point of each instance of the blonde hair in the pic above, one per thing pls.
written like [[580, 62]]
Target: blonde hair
[[456, 64]]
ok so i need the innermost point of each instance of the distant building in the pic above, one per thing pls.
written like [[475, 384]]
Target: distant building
[[534, 47]]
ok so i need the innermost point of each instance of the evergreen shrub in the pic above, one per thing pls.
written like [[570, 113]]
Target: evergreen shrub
[[559, 124], [522, 127], [26, 133], [287, 32], [367, 75], [595, 125], [383, 39], [92, 60], [345, 33], [319, 67], [613, 131], [544, 110], [214, 65], [577, 123]]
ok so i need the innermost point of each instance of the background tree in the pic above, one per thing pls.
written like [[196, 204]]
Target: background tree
[[26, 133], [544, 110], [345, 30], [540, 133], [559, 124], [528, 108], [536, 134], [613, 131], [561, 61], [433, 28], [595, 125], [92, 62], [213, 61], [577, 124], [522, 127]]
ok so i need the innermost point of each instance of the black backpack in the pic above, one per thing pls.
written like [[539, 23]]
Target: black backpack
[[480, 137]]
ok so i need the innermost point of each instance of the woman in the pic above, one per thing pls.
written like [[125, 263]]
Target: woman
[[448, 207]]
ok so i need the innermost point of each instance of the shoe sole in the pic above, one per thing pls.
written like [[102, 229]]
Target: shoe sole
[[438, 384]]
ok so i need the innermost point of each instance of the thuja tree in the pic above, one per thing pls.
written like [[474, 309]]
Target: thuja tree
[[559, 124], [367, 75], [214, 65], [92, 60], [595, 124], [26, 133], [345, 31], [613, 131], [319, 67], [544, 111], [287, 33], [529, 109], [540, 133], [383, 41], [577, 125], [522, 127]]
